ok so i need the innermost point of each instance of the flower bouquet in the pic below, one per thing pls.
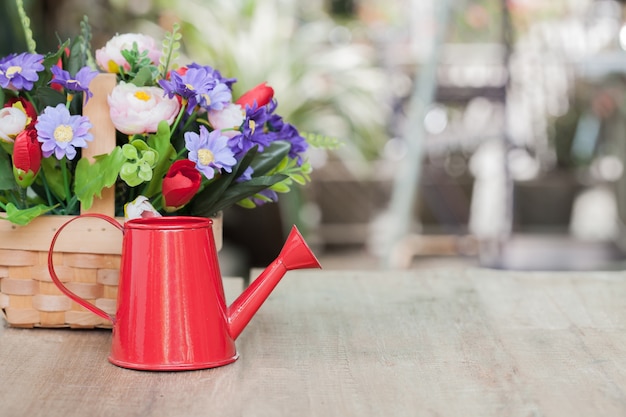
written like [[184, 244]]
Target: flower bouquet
[[182, 145]]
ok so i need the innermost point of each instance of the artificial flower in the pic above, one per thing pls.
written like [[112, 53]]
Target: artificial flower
[[136, 110], [61, 132], [110, 58], [140, 208], [181, 183], [19, 72], [259, 96], [140, 160], [209, 151], [26, 157], [228, 120], [199, 86], [13, 120], [79, 83]]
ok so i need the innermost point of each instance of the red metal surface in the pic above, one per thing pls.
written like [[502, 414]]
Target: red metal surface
[[171, 310]]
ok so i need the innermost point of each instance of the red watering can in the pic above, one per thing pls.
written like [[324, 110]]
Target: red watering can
[[171, 310]]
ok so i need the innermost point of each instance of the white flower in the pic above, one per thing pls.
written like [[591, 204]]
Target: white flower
[[110, 57], [139, 208], [12, 121], [228, 120], [140, 109]]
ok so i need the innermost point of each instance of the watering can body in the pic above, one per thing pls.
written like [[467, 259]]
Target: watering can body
[[171, 309]]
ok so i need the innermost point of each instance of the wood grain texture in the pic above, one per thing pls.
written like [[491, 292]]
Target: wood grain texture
[[435, 342]]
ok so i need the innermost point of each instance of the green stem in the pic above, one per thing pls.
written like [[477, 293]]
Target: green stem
[[158, 202], [180, 116], [47, 189], [66, 182]]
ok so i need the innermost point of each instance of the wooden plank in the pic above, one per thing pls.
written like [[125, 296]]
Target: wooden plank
[[103, 131], [443, 342]]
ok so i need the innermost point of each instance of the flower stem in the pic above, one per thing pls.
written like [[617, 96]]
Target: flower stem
[[66, 182]]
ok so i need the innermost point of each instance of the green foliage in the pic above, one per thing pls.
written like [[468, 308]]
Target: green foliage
[[318, 140], [169, 51], [92, 178], [24, 216], [25, 20], [141, 70]]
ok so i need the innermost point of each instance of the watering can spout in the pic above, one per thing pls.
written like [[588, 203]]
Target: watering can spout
[[295, 254]]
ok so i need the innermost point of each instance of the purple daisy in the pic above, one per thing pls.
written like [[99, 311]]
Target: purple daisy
[[61, 133], [209, 151], [201, 86], [253, 132], [79, 83], [287, 132], [215, 74], [20, 71]]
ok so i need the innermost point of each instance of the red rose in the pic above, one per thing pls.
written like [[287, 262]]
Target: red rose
[[26, 157], [180, 184], [261, 95]]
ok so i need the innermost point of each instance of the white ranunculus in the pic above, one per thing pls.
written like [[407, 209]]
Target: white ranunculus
[[110, 57], [228, 120], [140, 109], [12, 122]]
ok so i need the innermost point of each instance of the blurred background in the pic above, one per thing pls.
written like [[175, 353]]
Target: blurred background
[[474, 132]]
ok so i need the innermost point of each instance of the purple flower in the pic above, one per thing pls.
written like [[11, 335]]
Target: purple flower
[[20, 71], [287, 132], [201, 86], [61, 133], [215, 74], [265, 196], [209, 151], [79, 83], [253, 132]]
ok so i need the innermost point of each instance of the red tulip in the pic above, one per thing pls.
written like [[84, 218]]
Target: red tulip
[[26, 157], [180, 184], [261, 95]]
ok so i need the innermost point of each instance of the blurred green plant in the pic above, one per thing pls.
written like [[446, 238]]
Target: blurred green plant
[[334, 89]]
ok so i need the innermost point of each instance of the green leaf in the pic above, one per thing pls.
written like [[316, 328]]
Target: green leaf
[[206, 199], [24, 216], [92, 178], [47, 96], [272, 155], [160, 142], [143, 76], [235, 193], [53, 176], [7, 180]]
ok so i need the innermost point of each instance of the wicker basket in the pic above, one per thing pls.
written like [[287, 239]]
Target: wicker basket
[[87, 254]]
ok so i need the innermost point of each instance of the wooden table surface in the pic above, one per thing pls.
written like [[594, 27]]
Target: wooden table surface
[[440, 342]]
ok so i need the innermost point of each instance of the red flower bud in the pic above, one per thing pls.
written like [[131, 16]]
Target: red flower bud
[[180, 184], [261, 95], [26, 157]]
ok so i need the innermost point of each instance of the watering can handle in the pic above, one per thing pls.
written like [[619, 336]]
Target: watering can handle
[[56, 279]]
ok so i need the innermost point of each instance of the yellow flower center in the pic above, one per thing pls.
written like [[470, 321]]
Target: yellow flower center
[[142, 95], [252, 125], [205, 156], [189, 87], [63, 133], [12, 70]]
